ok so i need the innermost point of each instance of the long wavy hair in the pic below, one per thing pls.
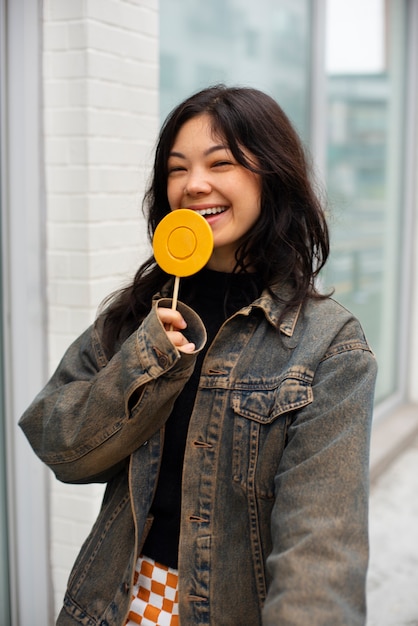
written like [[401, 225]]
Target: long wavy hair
[[289, 242]]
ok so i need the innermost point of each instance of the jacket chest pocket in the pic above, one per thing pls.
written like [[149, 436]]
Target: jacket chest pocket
[[261, 417]]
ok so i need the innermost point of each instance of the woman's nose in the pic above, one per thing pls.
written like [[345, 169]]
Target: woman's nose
[[196, 184]]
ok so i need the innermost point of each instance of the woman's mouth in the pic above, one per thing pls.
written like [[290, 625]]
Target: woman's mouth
[[215, 210]]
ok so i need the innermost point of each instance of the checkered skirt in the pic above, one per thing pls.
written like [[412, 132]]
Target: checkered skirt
[[154, 595]]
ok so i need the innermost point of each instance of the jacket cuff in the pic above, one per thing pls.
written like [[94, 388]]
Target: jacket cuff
[[195, 331], [154, 349]]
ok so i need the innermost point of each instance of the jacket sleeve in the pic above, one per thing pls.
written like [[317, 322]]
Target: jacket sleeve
[[319, 559], [94, 413]]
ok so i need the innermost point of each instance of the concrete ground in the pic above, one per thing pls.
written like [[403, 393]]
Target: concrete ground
[[393, 571]]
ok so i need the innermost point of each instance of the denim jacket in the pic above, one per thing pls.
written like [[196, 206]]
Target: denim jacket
[[275, 482]]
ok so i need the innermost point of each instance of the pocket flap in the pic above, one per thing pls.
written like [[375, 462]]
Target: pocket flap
[[264, 405]]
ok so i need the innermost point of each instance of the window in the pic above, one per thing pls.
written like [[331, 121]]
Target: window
[[5, 617], [4, 556], [23, 544], [267, 45], [365, 146], [264, 44]]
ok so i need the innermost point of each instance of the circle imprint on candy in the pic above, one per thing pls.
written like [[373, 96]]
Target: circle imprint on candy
[[183, 242]]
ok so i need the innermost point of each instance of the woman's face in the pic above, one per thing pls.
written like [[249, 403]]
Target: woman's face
[[204, 176]]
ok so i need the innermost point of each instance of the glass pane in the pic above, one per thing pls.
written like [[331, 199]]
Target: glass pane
[[262, 44], [4, 559], [365, 64], [5, 617]]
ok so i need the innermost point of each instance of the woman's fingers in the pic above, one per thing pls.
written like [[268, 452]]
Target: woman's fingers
[[171, 319], [180, 341], [173, 323]]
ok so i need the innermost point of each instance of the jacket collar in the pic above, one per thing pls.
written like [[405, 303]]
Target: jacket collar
[[271, 307]]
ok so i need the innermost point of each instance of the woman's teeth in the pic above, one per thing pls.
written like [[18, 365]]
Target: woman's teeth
[[212, 211]]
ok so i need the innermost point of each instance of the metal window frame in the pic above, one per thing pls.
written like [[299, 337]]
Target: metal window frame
[[318, 147], [24, 306], [408, 286]]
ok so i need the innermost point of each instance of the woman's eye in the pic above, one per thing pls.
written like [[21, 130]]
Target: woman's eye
[[176, 168], [222, 163]]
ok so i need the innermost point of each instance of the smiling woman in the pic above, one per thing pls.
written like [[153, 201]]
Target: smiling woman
[[219, 426]]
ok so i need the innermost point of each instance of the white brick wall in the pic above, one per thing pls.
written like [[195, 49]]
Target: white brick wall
[[100, 125]]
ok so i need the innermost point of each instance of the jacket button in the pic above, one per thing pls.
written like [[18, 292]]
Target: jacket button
[[126, 587], [163, 360]]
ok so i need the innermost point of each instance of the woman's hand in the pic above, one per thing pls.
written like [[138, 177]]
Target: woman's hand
[[174, 323]]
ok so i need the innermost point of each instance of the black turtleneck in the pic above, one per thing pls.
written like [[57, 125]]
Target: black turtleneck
[[214, 296]]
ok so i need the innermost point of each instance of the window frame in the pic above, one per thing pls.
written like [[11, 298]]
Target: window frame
[[408, 287], [23, 303]]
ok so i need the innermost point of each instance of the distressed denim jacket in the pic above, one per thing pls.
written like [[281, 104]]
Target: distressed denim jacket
[[275, 480]]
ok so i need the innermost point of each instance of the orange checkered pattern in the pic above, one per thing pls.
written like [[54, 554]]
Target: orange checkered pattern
[[154, 595]]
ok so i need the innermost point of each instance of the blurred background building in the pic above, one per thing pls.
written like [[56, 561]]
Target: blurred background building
[[84, 86]]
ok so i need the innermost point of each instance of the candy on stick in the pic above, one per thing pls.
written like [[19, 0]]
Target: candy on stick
[[182, 244]]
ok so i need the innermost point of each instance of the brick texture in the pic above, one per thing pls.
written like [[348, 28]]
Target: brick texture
[[100, 64]]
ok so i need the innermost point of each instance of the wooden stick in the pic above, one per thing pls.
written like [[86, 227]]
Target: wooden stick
[[175, 295]]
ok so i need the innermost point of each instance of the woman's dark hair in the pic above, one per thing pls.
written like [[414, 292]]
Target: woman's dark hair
[[289, 242]]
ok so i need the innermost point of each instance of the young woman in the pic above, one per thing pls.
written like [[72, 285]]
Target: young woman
[[232, 433]]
